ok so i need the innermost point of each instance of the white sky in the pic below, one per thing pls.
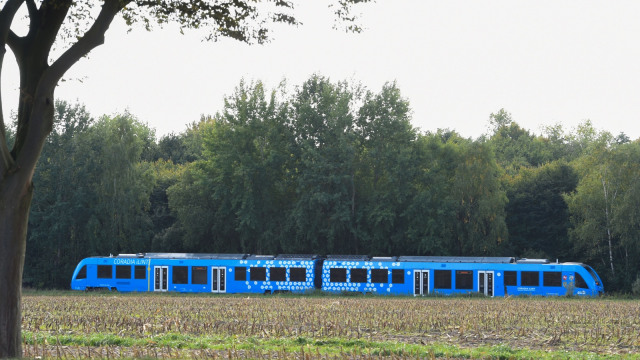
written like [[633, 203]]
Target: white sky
[[456, 61]]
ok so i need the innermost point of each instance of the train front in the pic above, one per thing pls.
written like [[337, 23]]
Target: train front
[[79, 278], [599, 286]]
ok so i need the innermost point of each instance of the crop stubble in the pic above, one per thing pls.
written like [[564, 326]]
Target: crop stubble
[[597, 325]]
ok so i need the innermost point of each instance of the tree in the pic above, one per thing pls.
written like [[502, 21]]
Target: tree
[[92, 194], [328, 169], [118, 183], [52, 24], [432, 210], [514, 146], [55, 239], [165, 237], [325, 161], [500, 120], [459, 204], [242, 176], [480, 201], [537, 215], [386, 169], [604, 208], [182, 148]]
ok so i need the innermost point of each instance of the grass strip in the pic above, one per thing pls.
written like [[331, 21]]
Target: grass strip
[[325, 346]]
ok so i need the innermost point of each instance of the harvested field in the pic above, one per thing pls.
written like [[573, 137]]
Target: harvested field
[[170, 326]]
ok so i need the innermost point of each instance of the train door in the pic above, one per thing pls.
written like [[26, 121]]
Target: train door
[[485, 282], [219, 279], [420, 282], [161, 275]]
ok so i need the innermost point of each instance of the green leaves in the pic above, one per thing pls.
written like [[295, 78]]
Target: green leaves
[[335, 168], [93, 194], [604, 206], [537, 215], [330, 168], [247, 21]]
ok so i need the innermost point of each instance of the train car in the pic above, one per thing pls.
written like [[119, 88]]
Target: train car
[[216, 273], [404, 275], [491, 276]]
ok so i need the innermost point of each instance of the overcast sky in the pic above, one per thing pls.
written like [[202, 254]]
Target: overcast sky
[[545, 62]]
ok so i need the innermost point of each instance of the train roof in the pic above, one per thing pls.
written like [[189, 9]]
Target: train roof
[[259, 257], [384, 258], [185, 256], [348, 257], [432, 259], [197, 256], [458, 259], [297, 257], [533, 261]]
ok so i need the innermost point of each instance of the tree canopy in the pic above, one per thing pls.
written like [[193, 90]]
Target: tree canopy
[[328, 167]]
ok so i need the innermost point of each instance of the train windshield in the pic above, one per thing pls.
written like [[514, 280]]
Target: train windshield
[[593, 274], [82, 274]]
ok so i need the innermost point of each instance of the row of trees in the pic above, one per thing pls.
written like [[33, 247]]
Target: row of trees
[[331, 168]]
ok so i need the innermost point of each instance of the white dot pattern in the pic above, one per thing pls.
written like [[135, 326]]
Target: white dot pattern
[[269, 285], [369, 287]]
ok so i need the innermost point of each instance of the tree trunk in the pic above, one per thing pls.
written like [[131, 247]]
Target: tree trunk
[[38, 81], [606, 213], [15, 201]]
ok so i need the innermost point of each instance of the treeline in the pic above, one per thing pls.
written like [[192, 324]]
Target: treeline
[[331, 168]]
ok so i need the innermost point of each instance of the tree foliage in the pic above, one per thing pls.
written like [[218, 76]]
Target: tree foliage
[[463, 200], [330, 167], [604, 206], [537, 214], [335, 168], [59, 208], [95, 194]]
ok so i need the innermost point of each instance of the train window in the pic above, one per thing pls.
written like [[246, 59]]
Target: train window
[[105, 271], [123, 271], [258, 274], [180, 275], [199, 275], [592, 273], [82, 274], [338, 275], [551, 278], [442, 279], [397, 276], [139, 272], [298, 274], [510, 278], [358, 275], [464, 279], [241, 273], [530, 278], [379, 276], [580, 283], [278, 274]]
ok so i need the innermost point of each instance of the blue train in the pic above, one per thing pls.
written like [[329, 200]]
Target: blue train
[[403, 275]]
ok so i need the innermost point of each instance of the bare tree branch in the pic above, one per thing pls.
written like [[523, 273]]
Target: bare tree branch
[[6, 18], [32, 7], [14, 42], [40, 126], [33, 14], [49, 19], [93, 38], [35, 110]]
